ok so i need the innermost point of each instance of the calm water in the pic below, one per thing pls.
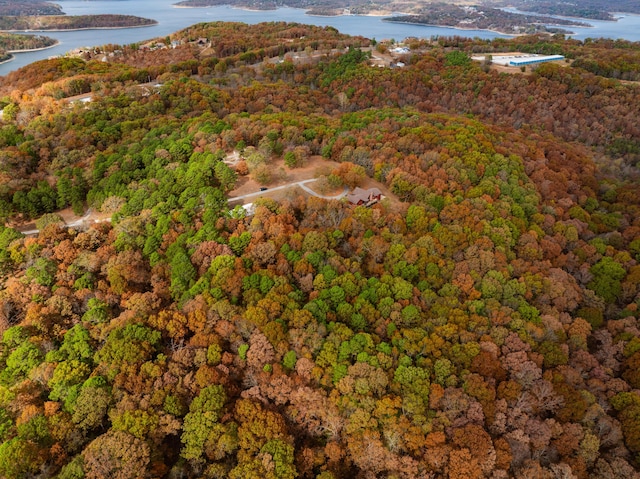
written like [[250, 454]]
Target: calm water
[[171, 19]]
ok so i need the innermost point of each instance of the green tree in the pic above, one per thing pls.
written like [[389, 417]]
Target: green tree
[[138, 423], [7, 236], [43, 272], [127, 348], [91, 405], [204, 413], [607, 279], [75, 346], [18, 459], [225, 176], [66, 375], [73, 469], [183, 273], [289, 360], [49, 219], [6, 424], [457, 58], [20, 360], [282, 456]]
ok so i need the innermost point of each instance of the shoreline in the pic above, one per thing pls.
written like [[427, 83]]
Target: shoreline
[[80, 29], [480, 29], [461, 29], [35, 49], [12, 52], [257, 10], [373, 15], [568, 17], [380, 15]]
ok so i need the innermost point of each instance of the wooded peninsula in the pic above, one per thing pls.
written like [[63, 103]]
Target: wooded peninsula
[[72, 22], [593, 9], [485, 18], [16, 42], [29, 7], [225, 308]]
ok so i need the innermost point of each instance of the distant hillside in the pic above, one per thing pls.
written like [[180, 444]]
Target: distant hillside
[[594, 9], [13, 41], [331, 6], [72, 22], [485, 18], [28, 7]]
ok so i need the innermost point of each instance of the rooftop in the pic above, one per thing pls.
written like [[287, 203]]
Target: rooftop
[[517, 59]]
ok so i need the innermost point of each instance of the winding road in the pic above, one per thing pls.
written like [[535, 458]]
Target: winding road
[[302, 184], [87, 218]]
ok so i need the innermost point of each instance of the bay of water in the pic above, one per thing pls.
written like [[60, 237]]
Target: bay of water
[[171, 19]]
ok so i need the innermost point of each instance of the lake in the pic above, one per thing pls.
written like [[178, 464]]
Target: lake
[[171, 19]]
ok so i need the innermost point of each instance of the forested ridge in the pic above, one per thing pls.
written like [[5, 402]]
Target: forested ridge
[[28, 7], [484, 18], [71, 22], [595, 9], [11, 42], [482, 322]]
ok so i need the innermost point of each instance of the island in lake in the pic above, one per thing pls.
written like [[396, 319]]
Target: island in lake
[[440, 14], [533, 16], [73, 22], [592, 9], [13, 42], [485, 18], [26, 7]]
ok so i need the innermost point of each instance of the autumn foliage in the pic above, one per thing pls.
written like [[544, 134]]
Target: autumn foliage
[[482, 322]]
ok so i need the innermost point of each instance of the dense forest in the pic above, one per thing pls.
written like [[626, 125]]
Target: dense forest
[[13, 41], [481, 321], [28, 7], [72, 22]]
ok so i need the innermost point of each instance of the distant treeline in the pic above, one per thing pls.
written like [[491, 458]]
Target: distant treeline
[[12, 41], [486, 19], [72, 22], [27, 7], [317, 7], [594, 9]]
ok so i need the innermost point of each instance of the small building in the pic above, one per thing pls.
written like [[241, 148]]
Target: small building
[[518, 62], [242, 211], [249, 208], [517, 59], [367, 197]]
